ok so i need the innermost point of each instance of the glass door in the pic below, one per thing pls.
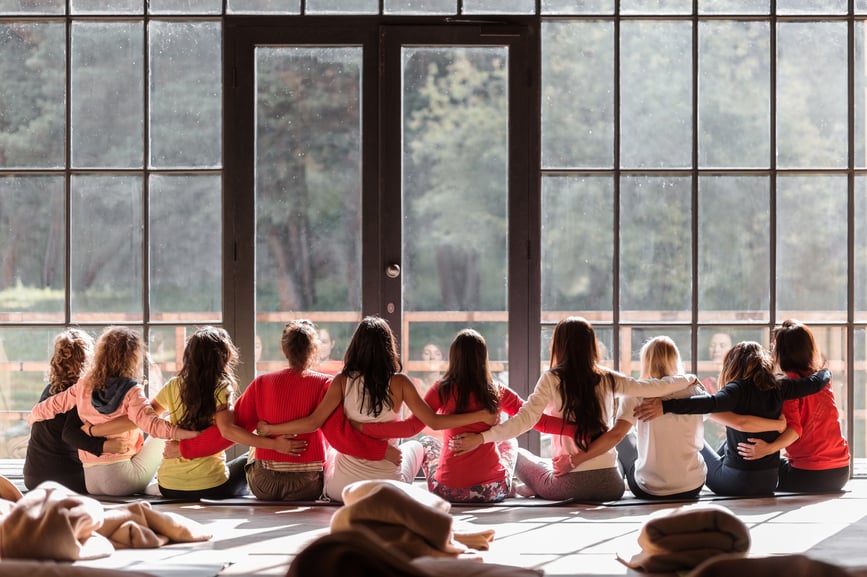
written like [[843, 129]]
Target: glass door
[[386, 166]]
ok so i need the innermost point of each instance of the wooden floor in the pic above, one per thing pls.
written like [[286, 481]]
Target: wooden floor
[[573, 540]]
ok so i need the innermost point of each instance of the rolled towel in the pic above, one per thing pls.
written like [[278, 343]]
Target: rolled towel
[[680, 539]]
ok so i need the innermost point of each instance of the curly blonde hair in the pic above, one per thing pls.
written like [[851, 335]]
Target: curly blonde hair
[[73, 351], [119, 352]]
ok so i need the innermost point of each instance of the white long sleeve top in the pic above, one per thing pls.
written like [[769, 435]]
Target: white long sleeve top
[[545, 398]]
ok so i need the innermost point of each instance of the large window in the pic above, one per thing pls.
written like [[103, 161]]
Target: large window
[[700, 175]]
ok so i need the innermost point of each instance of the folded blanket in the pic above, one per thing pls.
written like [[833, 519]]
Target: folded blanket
[[682, 538], [405, 517], [788, 565], [52, 522]]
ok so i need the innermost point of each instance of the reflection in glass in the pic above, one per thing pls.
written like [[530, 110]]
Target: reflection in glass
[[455, 182], [812, 6], [32, 94], [107, 94], [734, 6], [633, 338], [811, 95], [499, 7], [185, 247], [32, 247], [811, 247], [577, 239], [577, 94], [656, 6], [860, 248], [656, 248], [165, 354], [859, 401], [860, 57], [656, 94], [185, 6], [420, 7], [342, 7], [185, 94], [24, 359], [106, 7], [263, 7], [733, 248], [308, 186], [106, 249], [22, 7], [734, 94], [567, 7]]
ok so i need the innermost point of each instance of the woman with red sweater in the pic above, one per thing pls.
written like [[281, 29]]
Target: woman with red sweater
[[484, 475], [817, 454]]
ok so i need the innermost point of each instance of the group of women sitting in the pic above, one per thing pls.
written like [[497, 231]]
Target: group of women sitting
[[311, 435]]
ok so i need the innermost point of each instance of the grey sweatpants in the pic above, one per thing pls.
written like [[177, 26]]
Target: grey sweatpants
[[596, 485]]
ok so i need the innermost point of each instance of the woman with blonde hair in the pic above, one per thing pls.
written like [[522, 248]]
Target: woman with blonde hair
[[109, 390]]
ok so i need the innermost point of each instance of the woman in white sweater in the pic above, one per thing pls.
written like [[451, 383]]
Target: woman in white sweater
[[582, 392]]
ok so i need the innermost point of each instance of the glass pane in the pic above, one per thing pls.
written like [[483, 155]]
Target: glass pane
[[106, 249], [185, 94], [812, 6], [22, 7], [656, 94], [656, 6], [342, 7], [577, 94], [566, 7], [633, 338], [860, 6], [811, 94], [455, 154], [32, 94], [656, 248], [166, 355], [499, 7], [713, 344], [185, 6], [734, 94], [860, 32], [106, 7], [734, 275], [734, 6], [577, 246], [859, 400], [24, 357], [811, 247], [860, 248], [32, 248], [308, 191], [186, 248], [420, 7], [263, 7], [107, 94]]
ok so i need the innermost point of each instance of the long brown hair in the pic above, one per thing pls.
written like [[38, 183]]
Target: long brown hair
[[795, 349], [210, 358], [119, 352], [469, 376], [574, 360], [73, 351], [749, 362], [372, 354]]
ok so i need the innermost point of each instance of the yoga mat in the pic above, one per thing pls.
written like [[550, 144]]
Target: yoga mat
[[152, 499], [704, 496], [250, 500], [519, 502]]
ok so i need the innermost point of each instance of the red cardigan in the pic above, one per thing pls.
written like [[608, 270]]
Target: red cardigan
[[284, 396], [476, 467]]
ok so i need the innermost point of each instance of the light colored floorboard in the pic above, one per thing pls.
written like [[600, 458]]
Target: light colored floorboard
[[580, 540]]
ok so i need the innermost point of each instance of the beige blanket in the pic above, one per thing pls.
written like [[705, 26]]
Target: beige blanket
[[680, 539], [52, 522], [779, 566]]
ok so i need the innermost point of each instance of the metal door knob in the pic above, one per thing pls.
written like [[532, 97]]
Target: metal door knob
[[392, 270]]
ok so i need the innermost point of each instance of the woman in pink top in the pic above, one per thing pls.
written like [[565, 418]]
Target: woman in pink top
[[486, 474], [109, 391]]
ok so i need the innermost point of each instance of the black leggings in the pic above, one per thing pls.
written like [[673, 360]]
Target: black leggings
[[234, 486], [810, 481]]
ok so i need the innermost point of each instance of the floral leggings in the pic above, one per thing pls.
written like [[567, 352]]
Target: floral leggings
[[481, 493]]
